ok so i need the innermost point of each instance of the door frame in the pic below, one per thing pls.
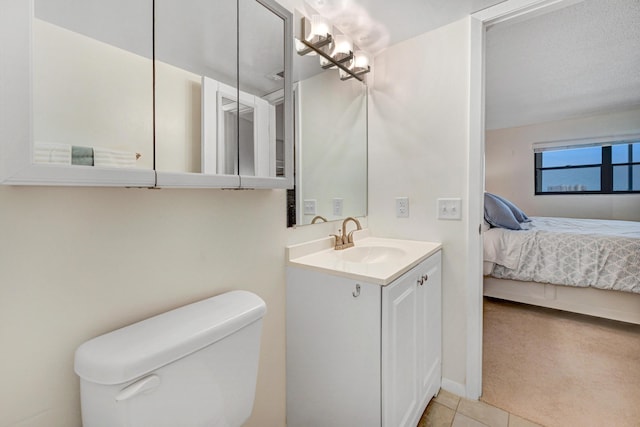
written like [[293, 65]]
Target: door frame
[[509, 10]]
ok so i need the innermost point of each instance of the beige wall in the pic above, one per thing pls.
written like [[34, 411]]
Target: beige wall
[[78, 262], [509, 167], [418, 148]]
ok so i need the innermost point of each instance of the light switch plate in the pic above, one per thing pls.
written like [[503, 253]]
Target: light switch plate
[[309, 206], [450, 208]]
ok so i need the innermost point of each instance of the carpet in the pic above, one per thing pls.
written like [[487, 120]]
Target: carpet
[[560, 369]]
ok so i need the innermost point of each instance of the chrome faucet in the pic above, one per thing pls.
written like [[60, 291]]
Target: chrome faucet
[[345, 240]]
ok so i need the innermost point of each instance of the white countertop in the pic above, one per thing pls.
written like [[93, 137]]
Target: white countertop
[[319, 255]]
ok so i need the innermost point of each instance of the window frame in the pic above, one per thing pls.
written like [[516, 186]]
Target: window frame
[[606, 167]]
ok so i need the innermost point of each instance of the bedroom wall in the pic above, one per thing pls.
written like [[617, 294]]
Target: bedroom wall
[[510, 162]]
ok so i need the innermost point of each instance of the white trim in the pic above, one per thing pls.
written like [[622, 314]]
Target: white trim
[[453, 387], [85, 176], [255, 182], [209, 126], [297, 96], [475, 212], [519, 10], [510, 10], [196, 180]]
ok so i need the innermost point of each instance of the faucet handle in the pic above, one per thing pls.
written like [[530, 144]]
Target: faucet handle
[[339, 240]]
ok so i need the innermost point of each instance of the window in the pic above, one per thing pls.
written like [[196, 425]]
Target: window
[[609, 168]]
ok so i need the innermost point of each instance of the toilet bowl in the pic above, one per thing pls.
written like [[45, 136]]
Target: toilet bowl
[[196, 365]]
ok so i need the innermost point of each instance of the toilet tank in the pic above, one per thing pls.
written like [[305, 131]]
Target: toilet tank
[[196, 365]]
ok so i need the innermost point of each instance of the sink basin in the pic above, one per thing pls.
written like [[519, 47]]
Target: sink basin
[[370, 254], [373, 259]]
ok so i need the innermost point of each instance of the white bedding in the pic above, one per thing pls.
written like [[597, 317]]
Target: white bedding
[[565, 251]]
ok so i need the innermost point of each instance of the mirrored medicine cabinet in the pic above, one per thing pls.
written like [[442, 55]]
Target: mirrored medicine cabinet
[[189, 93]]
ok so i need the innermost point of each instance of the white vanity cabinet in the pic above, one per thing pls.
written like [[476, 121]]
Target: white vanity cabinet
[[362, 354]]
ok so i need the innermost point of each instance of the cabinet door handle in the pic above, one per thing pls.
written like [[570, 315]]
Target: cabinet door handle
[[356, 293], [425, 277], [420, 281]]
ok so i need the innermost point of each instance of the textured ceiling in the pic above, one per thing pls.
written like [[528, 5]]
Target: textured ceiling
[[577, 61]]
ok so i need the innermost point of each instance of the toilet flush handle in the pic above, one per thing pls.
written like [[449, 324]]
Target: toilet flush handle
[[140, 386]]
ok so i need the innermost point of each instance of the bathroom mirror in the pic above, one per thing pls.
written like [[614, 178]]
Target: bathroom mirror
[[92, 83], [221, 102], [330, 145]]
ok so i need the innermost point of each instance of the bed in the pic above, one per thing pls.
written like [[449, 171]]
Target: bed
[[580, 265]]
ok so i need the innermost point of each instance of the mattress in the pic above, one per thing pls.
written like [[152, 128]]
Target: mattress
[[604, 254]]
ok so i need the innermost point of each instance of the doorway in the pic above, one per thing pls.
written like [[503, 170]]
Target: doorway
[[510, 10]]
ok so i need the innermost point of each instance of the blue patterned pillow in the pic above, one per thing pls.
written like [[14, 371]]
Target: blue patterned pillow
[[498, 214]]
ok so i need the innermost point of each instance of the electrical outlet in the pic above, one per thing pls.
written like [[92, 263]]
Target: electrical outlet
[[337, 206], [309, 206], [450, 208], [402, 207]]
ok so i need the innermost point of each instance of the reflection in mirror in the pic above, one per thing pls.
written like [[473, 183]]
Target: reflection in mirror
[[236, 119], [330, 143], [196, 69], [261, 73], [93, 83], [218, 87]]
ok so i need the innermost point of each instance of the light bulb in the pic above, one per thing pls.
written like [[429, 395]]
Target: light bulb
[[342, 44], [319, 26], [361, 59]]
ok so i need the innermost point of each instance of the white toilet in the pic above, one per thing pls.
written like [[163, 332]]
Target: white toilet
[[193, 366]]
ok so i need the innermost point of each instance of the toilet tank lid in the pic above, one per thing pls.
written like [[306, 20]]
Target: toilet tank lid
[[132, 351]]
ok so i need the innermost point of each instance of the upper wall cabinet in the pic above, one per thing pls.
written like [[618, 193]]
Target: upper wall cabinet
[[223, 97], [76, 92], [90, 95]]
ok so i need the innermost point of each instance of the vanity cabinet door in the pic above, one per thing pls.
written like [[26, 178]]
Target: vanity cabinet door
[[411, 337], [400, 379], [430, 326], [76, 93], [333, 351]]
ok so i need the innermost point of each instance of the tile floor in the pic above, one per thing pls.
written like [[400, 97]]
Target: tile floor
[[449, 410]]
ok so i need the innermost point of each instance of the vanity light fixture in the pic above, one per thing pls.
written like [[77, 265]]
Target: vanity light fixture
[[335, 51]]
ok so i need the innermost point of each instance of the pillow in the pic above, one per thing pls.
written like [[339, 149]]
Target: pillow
[[517, 212], [498, 214]]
